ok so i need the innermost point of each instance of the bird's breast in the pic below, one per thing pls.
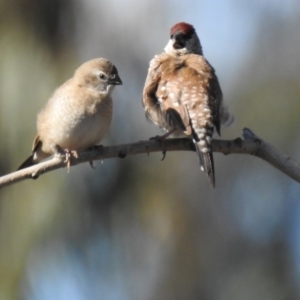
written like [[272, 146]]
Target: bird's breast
[[75, 126]]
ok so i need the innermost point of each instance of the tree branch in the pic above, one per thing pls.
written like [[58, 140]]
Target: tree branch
[[251, 144]]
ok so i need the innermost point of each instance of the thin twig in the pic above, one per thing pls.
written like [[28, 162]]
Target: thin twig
[[251, 144]]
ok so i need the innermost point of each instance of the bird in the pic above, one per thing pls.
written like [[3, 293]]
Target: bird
[[78, 114], [182, 94]]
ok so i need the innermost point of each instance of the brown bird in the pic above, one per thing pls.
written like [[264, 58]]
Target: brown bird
[[182, 94], [79, 113]]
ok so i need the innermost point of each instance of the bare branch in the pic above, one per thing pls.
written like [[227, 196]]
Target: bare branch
[[251, 144], [277, 159]]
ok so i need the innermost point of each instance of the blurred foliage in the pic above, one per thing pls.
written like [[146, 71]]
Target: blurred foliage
[[139, 228]]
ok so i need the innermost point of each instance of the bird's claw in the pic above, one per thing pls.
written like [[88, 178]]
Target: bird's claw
[[68, 159], [162, 141], [164, 152], [94, 148], [68, 156]]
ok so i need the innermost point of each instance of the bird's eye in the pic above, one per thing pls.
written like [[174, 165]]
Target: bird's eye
[[102, 76]]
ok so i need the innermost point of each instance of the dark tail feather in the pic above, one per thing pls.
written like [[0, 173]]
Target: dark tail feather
[[27, 163], [207, 164]]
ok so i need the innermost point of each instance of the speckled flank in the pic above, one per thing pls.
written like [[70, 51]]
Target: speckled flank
[[186, 90], [182, 93]]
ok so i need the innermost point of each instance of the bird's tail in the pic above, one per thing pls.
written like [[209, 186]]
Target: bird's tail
[[27, 163], [206, 162]]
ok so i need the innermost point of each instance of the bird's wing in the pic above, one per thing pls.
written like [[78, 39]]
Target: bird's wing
[[202, 96], [168, 93], [150, 100], [36, 143], [221, 113], [210, 86], [30, 161]]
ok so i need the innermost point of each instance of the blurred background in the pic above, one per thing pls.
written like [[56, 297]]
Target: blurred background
[[139, 228]]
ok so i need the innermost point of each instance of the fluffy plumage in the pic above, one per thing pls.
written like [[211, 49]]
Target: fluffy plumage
[[182, 93], [79, 113]]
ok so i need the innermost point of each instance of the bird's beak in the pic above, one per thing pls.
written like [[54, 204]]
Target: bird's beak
[[178, 40], [115, 80]]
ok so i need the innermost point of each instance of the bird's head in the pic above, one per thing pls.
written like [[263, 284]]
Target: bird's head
[[183, 39], [99, 74]]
